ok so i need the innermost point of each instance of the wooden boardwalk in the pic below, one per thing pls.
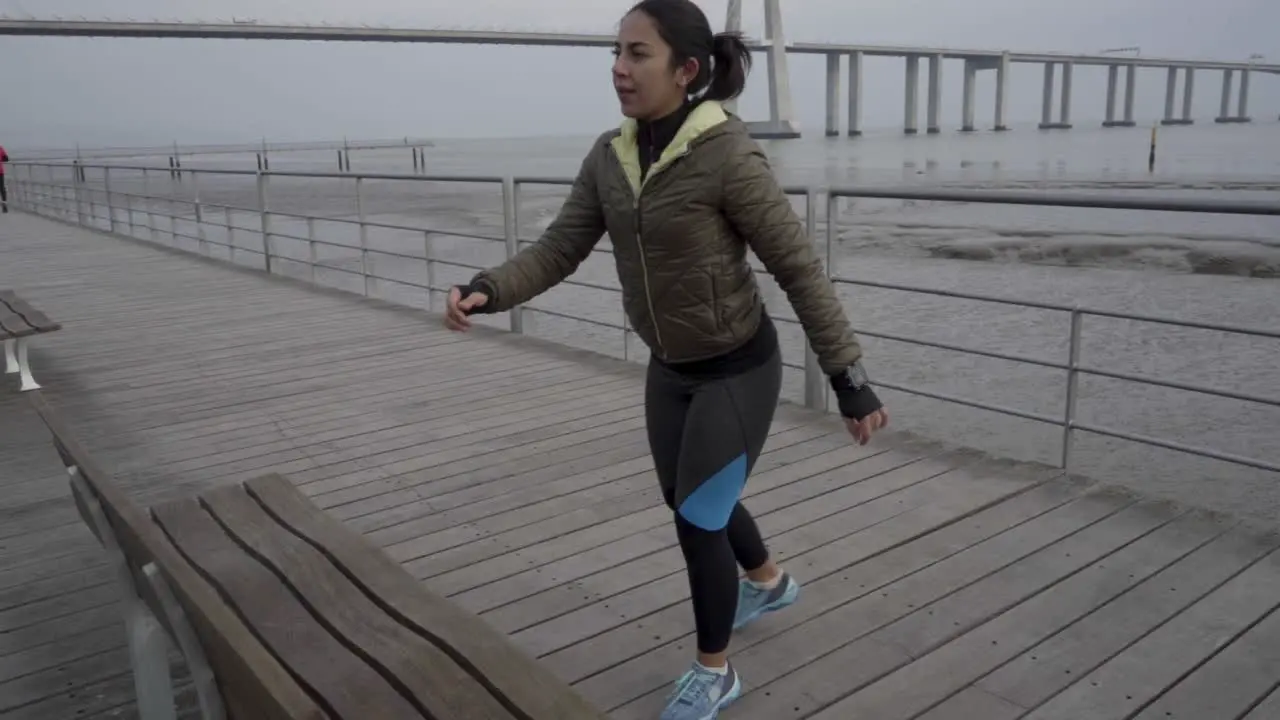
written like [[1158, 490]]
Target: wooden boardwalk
[[512, 476]]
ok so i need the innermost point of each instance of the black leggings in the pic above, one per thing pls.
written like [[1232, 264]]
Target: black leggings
[[705, 435], [4, 194]]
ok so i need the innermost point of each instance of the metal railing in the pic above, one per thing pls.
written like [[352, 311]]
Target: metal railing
[[76, 199]]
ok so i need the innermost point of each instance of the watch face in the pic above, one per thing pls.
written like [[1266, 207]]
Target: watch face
[[857, 375]]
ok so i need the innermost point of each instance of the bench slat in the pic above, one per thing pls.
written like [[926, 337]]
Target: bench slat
[[12, 325], [439, 687], [253, 684], [345, 684], [509, 672], [19, 319]]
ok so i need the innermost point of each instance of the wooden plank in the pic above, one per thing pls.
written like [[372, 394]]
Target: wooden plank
[[485, 585], [316, 426], [859, 640], [458, 547], [522, 683], [340, 680], [434, 683], [38, 321], [1230, 682], [15, 642], [866, 579], [654, 609], [13, 325], [974, 704], [244, 664], [946, 663], [1148, 668], [1051, 666], [110, 668], [398, 436], [1268, 709]]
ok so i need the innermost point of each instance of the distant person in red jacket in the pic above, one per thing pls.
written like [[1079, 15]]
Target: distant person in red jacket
[[4, 193]]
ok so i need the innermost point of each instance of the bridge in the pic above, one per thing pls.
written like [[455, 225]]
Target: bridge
[[206, 339], [1234, 106]]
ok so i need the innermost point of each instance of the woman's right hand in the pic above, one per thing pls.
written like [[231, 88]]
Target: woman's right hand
[[455, 316]]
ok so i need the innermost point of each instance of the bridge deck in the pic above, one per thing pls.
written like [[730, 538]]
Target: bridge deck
[[512, 476]]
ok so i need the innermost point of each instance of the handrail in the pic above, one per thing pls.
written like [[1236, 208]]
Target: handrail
[[68, 200]]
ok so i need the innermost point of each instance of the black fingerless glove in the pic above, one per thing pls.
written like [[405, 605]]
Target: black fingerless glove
[[480, 287], [854, 394]]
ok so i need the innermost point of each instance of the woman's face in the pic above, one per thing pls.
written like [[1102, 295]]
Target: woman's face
[[647, 86]]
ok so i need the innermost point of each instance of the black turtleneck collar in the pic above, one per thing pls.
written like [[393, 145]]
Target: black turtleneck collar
[[654, 136]]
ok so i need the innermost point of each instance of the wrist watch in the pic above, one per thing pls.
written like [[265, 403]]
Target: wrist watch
[[853, 377]]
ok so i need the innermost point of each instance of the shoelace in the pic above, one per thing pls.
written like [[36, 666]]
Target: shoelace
[[691, 686]]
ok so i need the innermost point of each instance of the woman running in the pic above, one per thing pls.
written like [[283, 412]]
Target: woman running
[[684, 191]]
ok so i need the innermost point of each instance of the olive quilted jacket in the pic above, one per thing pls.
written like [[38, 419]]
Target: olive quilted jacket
[[680, 241]]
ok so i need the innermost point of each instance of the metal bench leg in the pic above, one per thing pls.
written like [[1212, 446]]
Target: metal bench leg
[[148, 647], [211, 707], [24, 367], [10, 359]]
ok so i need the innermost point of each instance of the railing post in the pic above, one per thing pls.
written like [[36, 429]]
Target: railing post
[[172, 211], [231, 234], [265, 221], [128, 206], [364, 235], [146, 196], [111, 209], [77, 189], [199, 212], [24, 192], [311, 249], [1073, 386], [431, 270], [510, 205], [815, 386]]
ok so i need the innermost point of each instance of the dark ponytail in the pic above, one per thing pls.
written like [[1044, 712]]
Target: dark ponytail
[[723, 59], [732, 63]]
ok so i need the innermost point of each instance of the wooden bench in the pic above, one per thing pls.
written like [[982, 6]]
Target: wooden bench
[[283, 613], [19, 322]]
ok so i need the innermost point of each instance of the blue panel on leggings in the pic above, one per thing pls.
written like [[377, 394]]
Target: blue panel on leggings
[[710, 506]]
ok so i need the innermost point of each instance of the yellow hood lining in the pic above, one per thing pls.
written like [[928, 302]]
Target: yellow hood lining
[[707, 115]]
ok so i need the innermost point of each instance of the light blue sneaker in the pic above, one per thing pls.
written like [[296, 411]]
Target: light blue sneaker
[[754, 602], [701, 693]]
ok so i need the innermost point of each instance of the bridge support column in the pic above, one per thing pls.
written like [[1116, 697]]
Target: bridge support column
[[910, 120], [1224, 112], [1046, 110], [1242, 111], [1130, 96], [934, 121], [781, 123], [970, 87], [1046, 105], [855, 94], [1130, 89], [1064, 112], [1170, 90], [1113, 81], [1225, 109], [833, 95], [733, 24], [1002, 91], [1188, 95]]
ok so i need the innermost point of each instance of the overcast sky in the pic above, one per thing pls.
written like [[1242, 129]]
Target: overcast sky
[[57, 91]]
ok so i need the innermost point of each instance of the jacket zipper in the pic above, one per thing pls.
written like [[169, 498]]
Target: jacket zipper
[[644, 267]]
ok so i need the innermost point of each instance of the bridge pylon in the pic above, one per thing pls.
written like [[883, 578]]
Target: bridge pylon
[[781, 122]]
